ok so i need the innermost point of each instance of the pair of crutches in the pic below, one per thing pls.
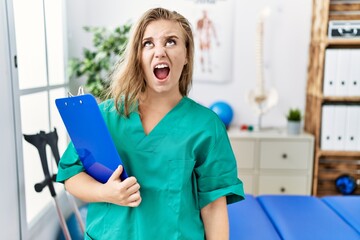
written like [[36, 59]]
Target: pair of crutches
[[40, 141]]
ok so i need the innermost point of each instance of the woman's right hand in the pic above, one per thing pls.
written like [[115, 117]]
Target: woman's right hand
[[123, 193]]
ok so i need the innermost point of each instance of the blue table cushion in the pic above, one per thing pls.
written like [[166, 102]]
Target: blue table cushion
[[248, 221], [305, 217], [347, 207]]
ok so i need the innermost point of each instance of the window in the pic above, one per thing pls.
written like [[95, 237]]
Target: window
[[41, 54]]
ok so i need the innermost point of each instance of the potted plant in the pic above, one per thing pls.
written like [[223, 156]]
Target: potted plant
[[294, 121], [96, 63]]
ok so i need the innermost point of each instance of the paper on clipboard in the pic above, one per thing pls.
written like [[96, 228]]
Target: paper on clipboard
[[90, 136]]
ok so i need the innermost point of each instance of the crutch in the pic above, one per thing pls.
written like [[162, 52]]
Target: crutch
[[39, 141], [52, 140]]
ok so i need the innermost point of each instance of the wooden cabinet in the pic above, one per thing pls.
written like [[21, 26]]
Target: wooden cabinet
[[273, 162], [329, 164]]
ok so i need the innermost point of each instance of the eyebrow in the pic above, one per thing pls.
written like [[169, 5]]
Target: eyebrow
[[165, 37]]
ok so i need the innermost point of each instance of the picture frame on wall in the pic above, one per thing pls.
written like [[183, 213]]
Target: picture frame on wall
[[213, 34], [213, 28]]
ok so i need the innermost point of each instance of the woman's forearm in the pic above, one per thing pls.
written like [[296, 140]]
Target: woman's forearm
[[84, 187], [215, 218], [123, 193]]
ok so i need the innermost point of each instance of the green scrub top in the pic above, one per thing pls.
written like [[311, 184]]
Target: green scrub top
[[183, 164]]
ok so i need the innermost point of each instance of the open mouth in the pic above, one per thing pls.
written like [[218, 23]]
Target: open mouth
[[161, 71]]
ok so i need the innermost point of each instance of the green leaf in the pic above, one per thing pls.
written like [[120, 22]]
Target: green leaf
[[95, 63], [294, 114]]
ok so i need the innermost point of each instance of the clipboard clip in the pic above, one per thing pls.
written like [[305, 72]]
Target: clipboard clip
[[80, 92]]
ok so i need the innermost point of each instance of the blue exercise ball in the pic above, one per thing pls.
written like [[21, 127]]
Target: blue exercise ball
[[346, 184], [224, 111]]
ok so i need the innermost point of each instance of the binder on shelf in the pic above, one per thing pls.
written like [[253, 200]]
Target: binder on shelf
[[327, 127], [352, 122], [354, 74], [330, 72], [339, 127], [357, 129], [342, 72], [90, 136]]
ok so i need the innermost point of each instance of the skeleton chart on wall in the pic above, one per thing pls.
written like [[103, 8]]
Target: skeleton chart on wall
[[212, 22], [213, 26]]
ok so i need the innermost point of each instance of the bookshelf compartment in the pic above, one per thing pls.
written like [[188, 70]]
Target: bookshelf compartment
[[332, 168]]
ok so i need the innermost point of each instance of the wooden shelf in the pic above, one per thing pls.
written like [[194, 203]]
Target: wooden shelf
[[328, 165], [340, 6], [338, 99], [341, 99], [341, 16], [343, 42], [345, 154]]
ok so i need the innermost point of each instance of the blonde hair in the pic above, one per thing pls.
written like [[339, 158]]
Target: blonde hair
[[128, 78]]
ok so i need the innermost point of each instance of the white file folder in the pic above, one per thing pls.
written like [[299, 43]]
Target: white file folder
[[342, 72], [327, 127], [357, 129], [352, 122], [354, 76], [330, 72], [339, 127]]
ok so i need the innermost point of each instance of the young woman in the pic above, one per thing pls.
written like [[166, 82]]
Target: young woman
[[178, 156]]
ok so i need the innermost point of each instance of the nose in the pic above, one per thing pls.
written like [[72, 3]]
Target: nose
[[160, 52]]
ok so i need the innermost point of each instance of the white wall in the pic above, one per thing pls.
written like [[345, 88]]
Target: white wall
[[286, 49]]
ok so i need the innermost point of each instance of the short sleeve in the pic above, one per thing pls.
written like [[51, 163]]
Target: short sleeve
[[69, 164], [217, 174]]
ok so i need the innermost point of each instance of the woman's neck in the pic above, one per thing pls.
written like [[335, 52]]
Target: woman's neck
[[154, 108], [160, 101]]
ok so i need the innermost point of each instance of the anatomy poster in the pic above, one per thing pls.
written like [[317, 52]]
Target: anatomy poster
[[213, 28], [212, 22]]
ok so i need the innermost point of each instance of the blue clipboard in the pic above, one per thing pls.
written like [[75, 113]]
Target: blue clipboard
[[90, 136]]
